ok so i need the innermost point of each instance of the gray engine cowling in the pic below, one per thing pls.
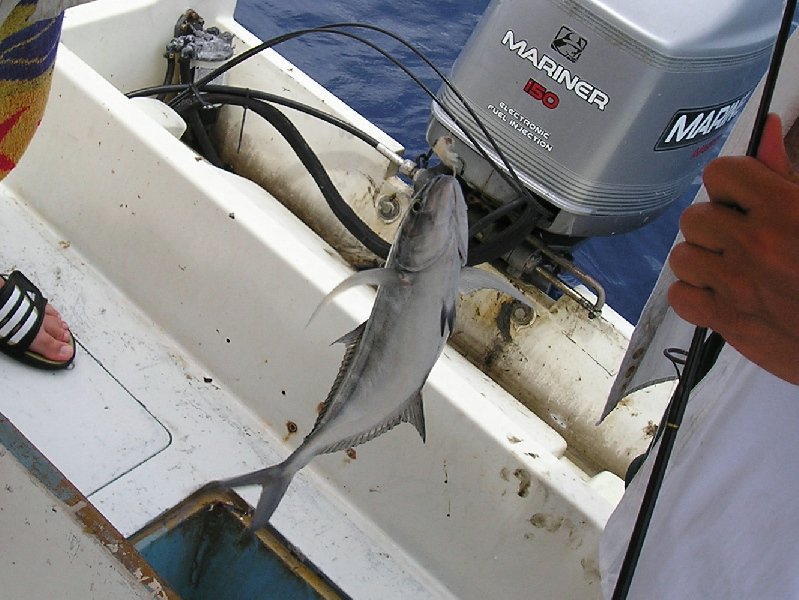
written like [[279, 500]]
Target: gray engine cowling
[[605, 108]]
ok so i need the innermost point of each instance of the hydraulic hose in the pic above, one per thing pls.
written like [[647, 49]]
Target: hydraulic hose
[[479, 251], [310, 161], [265, 96], [503, 242], [168, 76]]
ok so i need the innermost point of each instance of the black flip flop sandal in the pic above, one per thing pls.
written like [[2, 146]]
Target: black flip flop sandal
[[21, 316]]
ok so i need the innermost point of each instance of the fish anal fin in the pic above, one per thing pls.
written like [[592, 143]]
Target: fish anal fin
[[414, 414]]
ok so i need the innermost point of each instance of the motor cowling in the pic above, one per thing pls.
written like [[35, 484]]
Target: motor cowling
[[606, 109]]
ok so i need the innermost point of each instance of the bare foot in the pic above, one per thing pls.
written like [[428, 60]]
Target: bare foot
[[53, 338]]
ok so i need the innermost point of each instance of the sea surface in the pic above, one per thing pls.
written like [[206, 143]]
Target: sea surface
[[627, 265]]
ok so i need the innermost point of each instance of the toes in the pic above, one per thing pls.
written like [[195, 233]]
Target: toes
[[53, 338]]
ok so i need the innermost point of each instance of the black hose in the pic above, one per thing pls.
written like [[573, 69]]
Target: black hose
[[479, 251], [505, 241], [266, 96], [206, 146], [193, 120], [291, 134]]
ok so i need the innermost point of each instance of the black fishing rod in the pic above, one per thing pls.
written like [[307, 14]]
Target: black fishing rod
[[704, 348]]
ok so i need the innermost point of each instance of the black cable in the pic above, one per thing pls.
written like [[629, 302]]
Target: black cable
[[702, 353], [168, 76], [291, 134], [519, 186]]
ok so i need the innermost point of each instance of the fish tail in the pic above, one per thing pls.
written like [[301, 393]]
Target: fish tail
[[274, 482], [274, 486]]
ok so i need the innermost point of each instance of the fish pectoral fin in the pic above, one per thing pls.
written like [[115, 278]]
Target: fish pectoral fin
[[381, 276], [473, 279], [414, 414]]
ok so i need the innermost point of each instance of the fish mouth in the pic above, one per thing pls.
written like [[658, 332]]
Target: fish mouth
[[430, 189], [430, 225]]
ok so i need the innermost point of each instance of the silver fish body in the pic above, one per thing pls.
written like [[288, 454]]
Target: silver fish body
[[389, 357]]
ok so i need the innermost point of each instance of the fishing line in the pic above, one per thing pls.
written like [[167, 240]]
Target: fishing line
[[498, 244], [461, 98], [702, 352], [336, 28]]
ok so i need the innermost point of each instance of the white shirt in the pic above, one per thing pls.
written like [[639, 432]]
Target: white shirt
[[726, 522]]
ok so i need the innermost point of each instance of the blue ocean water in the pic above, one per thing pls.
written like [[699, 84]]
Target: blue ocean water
[[627, 265]]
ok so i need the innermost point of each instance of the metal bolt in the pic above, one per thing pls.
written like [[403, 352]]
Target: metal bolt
[[522, 314], [388, 209]]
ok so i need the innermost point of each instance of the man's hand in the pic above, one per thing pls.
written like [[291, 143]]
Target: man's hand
[[738, 269]]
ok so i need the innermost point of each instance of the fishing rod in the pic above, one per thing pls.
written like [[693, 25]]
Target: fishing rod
[[704, 348]]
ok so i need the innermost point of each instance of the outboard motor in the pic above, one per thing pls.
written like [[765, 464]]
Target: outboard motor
[[605, 109]]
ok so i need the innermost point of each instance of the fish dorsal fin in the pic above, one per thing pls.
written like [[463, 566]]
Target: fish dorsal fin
[[351, 341], [381, 276], [473, 279]]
